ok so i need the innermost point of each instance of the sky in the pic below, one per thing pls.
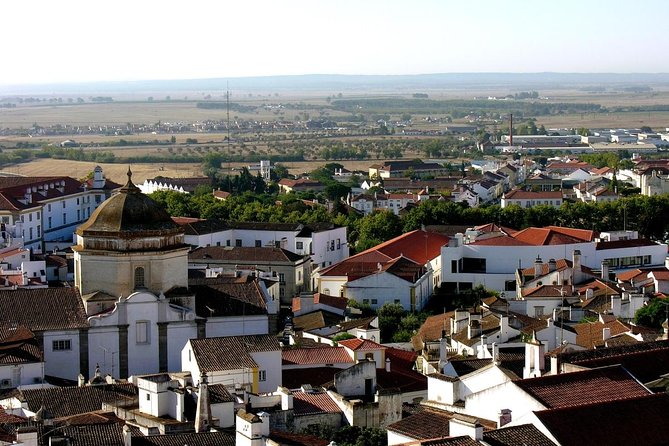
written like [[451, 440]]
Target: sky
[[47, 41]]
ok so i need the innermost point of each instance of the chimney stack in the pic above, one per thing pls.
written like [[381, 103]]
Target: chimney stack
[[511, 129], [605, 270], [538, 267], [203, 413]]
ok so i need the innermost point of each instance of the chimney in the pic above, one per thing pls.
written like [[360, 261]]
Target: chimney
[[605, 270], [203, 414], [552, 265], [286, 398], [534, 358], [81, 380], [606, 333], [504, 418], [538, 267], [461, 425], [511, 129], [576, 270], [127, 436], [387, 364], [495, 354]]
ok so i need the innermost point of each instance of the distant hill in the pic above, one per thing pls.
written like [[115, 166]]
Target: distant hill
[[336, 83]]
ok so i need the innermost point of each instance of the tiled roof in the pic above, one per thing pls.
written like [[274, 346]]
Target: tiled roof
[[583, 387], [12, 189], [617, 244], [237, 350], [316, 376], [418, 246], [640, 421], [219, 394], [523, 434], [626, 276], [548, 291], [590, 334], [363, 324], [221, 194], [243, 254], [452, 441], [104, 434], [313, 356], [222, 297], [361, 344], [312, 403], [310, 321], [194, 226], [19, 346], [646, 361], [220, 438], [424, 425], [431, 329], [332, 301], [66, 401], [290, 439], [43, 309], [8, 418], [660, 274]]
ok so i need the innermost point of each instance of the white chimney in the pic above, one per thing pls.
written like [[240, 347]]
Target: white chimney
[[605, 270], [461, 425], [538, 267], [576, 270], [203, 411], [387, 364], [606, 333]]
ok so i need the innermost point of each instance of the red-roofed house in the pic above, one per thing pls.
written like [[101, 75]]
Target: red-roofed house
[[403, 270], [308, 303], [471, 261]]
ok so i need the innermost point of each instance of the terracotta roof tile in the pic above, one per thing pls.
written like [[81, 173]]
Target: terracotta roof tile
[[43, 309], [590, 334], [290, 439], [243, 254], [66, 401], [312, 403], [583, 387], [361, 344], [519, 194], [424, 425], [238, 350], [313, 356], [640, 420], [523, 434], [220, 438]]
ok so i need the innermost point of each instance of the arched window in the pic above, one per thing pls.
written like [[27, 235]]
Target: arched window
[[139, 277]]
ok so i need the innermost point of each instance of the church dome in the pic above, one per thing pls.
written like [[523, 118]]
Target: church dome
[[131, 215]]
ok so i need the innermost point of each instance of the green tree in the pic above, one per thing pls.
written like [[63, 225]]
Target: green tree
[[653, 314], [377, 228]]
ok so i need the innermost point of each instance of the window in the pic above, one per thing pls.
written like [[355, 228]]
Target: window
[[78, 214], [538, 311], [218, 243], [61, 345], [282, 278], [142, 329], [98, 198], [397, 301], [454, 266], [139, 277], [262, 375], [510, 285], [299, 276], [39, 215], [30, 231], [258, 243], [282, 292], [238, 242], [299, 245], [64, 218], [30, 217], [227, 243], [48, 207], [63, 202], [77, 200], [473, 265], [375, 301], [365, 301], [332, 245], [49, 222], [277, 244], [338, 243], [148, 396]]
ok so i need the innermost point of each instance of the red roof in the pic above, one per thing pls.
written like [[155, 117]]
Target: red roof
[[313, 356], [361, 344], [583, 387], [311, 403], [417, 246], [639, 421], [661, 274]]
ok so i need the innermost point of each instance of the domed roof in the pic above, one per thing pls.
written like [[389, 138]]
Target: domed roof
[[128, 211]]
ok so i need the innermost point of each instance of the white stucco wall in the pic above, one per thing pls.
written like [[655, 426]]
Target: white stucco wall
[[21, 374], [63, 363]]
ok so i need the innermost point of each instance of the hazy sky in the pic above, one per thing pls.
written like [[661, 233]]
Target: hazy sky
[[45, 41]]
